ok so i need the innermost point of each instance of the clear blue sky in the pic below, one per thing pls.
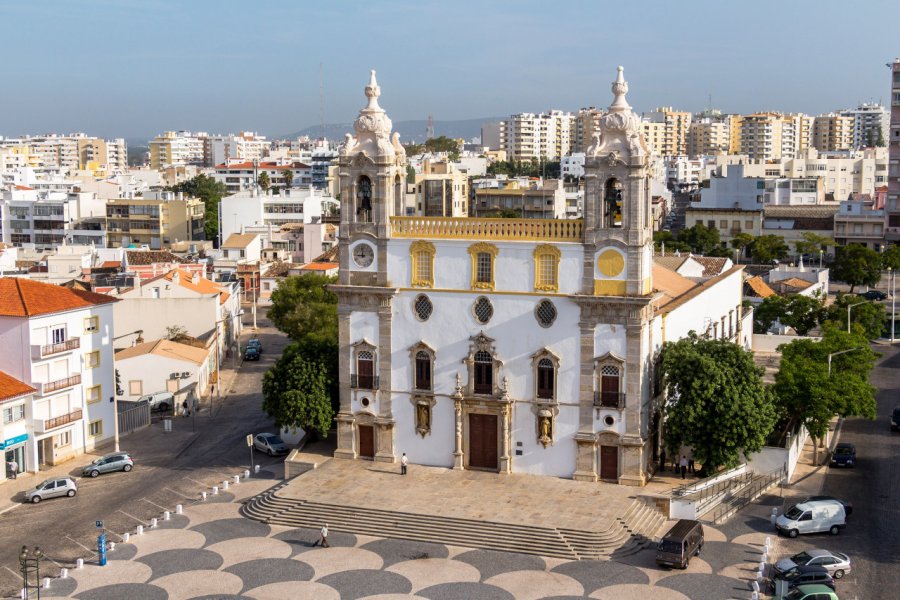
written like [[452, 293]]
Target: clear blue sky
[[132, 68]]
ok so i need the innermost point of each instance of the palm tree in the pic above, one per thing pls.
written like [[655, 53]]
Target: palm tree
[[263, 181], [288, 177]]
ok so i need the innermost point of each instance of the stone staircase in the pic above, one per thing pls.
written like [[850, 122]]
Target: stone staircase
[[629, 534]]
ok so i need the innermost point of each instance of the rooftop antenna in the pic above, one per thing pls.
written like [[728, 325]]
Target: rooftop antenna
[[322, 99]]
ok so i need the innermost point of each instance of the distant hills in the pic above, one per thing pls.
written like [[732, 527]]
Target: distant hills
[[410, 131]]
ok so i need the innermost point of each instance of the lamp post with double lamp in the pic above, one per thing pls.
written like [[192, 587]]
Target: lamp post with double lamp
[[30, 563], [115, 399]]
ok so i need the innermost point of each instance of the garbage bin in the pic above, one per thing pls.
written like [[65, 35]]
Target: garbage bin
[[167, 425]]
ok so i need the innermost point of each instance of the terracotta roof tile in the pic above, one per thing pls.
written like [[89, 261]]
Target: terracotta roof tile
[[239, 240], [319, 266], [11, 388], [166, 348], [670, 284], [149, 257], [21, 297], [757, 287], [712, 265], [203, 285]]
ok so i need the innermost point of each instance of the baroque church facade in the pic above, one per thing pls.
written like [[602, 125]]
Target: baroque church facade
[[511, 345]]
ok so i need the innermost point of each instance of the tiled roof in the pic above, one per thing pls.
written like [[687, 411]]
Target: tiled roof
[[675, 301], [278, 269], [263, 166], [712, 265], [110, 264], [319, 266], [671, 261], [11, 388], [330, 255], [149, 257], [21, 297], [794, 212], [239, 240], [167, 349], [756, 287], [203, 285], [24, 188], [670, 284], [790, 286]]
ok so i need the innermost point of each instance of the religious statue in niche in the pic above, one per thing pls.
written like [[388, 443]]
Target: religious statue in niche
[[423, 418], [545, 427]]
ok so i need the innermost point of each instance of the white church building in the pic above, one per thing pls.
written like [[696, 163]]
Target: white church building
[[512, 345]]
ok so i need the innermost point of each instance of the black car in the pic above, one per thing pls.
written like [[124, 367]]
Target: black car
[[844, 455], [895, 419], [874, 295], [848, 508], [806, 574], [251, 354]]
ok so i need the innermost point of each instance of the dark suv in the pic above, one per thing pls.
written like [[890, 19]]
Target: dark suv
[[806, 574], [844, 455], [895, 419]]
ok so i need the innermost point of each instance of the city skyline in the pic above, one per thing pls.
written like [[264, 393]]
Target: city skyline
[[136, 70]]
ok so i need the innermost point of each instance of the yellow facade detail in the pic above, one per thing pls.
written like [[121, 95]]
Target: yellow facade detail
[[549, 230], [546, 268], [610, 263], [609, 287], [422, 255], [483, 257]]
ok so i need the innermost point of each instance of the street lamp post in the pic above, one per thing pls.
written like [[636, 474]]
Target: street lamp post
[[841, 352], [893, 302], [849, 306], [115, 399], [30, 562]]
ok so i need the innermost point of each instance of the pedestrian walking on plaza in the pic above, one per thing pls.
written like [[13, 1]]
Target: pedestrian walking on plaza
[[691, 464], [184, 409], [662, 461], [404, 462], [323, 537], [684, 465], [13, 468]]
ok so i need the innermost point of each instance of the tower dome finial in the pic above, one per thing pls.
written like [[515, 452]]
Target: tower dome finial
[[619, 89], [373, 91]]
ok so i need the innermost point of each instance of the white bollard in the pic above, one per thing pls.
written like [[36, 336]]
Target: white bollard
[[140, 530], [203, 495], [225, 485], [46, 585], [166, 515], [237, 478], [215, 490], [22, 594], [79, 564], [754, 596], [246, 473], [759, 577], [63, 573], [773, 516], [153, 523], [177, 509], [126, 537], [112, 546], [256, 468], [768, 542], [762, 567], [755, 586]]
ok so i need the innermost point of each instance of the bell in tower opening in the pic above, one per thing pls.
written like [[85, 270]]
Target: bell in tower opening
[[613, 203], [364, 200]]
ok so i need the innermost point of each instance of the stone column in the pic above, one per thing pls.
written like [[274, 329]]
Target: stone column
[[458, 445], [633, 468], [384, 440], [505, 459], [346, 435], [585, 439], [585, 457]]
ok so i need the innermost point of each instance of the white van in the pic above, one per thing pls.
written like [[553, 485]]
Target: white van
[[162, 401], [814, 516]]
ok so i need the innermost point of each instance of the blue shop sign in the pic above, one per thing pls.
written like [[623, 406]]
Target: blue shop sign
[[16, 440]]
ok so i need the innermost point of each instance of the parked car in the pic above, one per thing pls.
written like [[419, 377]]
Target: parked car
[[255, 343], [848, 507], [52, 488], [874, 295], [805, 575], [270, 443], [161, 401], [811, 592], [895, 419], [683, 541], [844, 455], [812, 517], [836, 563], [117, 461], [251, 354]]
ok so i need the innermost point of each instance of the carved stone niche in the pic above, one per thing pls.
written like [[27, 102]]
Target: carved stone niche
[[545, 414], [423, 410]]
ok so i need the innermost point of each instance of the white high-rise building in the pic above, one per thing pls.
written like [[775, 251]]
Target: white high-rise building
[[177, 149], [547, 136], [871, 123], [246, 146]]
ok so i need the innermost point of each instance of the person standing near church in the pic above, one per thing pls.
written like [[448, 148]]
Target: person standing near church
[[684, 465], [404, 462]]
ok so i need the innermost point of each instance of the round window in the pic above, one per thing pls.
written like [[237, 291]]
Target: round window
[[609, 421], [483, 310], [423, 307], [545, 313], [365, 402]]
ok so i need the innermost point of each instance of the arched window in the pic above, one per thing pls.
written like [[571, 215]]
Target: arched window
[[423, 370], [484, 372], [483, 255], [365, 370], [546, 268], [612, 203], [364, 200], [422, 255], [546, 375]]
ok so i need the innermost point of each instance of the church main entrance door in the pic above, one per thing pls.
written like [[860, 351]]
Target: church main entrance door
[[609, 462], [367, 441], [483, 441]]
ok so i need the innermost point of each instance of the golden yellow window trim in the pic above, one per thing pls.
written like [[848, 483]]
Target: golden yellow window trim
[[474, 251], [90, 393], [414, 249], [556, 254]]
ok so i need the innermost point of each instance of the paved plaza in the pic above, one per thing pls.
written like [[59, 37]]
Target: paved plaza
[[211, 551]]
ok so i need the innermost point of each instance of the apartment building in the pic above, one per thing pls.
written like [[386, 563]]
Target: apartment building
[[49, 218], [493, 135], [676, 124], [709, 135], [239, 176], [654, 133], [58, 347], [772, 136], [441, 190], [587, 122], [871, 123], [893, 193], [833, 132], [530, 136], [247, 146], [859, 222], [842, 173], [154, 220], [250, 208], [177, 149], [533, 200], [73, 151]]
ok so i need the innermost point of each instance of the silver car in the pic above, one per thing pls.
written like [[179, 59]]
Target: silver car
[[52, 488], [836, 563], [270, 443], [117, 461]]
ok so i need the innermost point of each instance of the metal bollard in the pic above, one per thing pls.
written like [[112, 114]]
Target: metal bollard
[[237, 478], [79, 564], [46, 585], [215, 490], [225, 485], [177, 509], [256, 468], [166, 515], [246, 473], [153, 523], [126, 537], [63, 573], [140, 530]]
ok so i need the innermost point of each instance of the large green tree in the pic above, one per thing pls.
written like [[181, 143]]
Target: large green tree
[[812, 243], [665, 240], [800, 312], [263, 181], [742, 242], [304, 308], [857, 265], [807, 394], [296, 392], [869, 315], [768, 248], [210, 191], [717, 403], [700, 238], [890, 258]]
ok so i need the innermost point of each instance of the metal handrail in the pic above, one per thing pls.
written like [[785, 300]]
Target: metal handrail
[[689, 488], [748, 493]]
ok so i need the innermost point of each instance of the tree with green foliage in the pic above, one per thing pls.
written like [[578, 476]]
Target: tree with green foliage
[[716, 401], [797, 311], [701, 239], [305, 309], [520, 168], [665, 240], [410, 174], [812, 243], [295, 392], [890, 258], [879, 139], [288, 178], [742, 242], [870, 316], [857, 265], [806, 394], [210, 191], [768, 248], [263, 181]]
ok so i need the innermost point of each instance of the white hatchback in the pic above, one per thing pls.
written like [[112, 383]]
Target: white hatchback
[[52, 488]]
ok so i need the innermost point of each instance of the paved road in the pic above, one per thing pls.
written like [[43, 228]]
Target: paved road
[[64, 527], [872, 532]]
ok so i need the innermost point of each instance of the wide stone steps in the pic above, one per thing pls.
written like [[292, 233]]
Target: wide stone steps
[[627, 535]]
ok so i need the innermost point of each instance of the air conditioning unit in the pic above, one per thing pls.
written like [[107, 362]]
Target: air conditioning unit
[[185, 374], [173, 376]]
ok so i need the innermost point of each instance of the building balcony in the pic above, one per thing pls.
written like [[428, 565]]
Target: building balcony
[[45, 425], [487, 229], [364, 382], [609, 399], [59, 384], [38, 352]]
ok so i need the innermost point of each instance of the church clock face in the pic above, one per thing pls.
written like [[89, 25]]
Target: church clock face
[[363, 255]]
